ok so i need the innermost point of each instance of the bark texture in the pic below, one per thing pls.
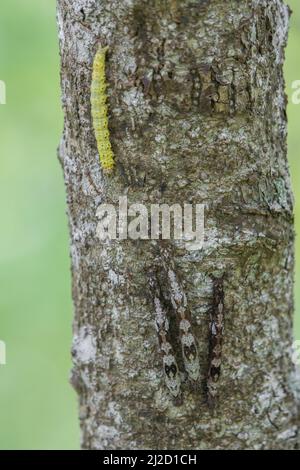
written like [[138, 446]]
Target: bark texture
[[197, 114]]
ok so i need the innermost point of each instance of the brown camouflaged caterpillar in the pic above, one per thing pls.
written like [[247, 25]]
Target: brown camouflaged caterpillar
[[179, 303], [170, 367], [216, 330]]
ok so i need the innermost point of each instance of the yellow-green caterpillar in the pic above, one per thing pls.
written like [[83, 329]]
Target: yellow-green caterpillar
[[99, 111]]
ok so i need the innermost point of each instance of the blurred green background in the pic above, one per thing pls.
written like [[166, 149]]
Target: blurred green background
[[38, 408]]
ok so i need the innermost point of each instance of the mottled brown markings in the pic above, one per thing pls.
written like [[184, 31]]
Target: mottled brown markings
[[216, 331]]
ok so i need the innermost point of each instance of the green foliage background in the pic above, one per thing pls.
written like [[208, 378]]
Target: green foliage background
[[38, 407]]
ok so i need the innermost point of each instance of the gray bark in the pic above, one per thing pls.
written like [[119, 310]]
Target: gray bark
[[197, 114]]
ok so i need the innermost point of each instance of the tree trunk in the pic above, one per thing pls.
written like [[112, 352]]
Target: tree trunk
[[196, 114]]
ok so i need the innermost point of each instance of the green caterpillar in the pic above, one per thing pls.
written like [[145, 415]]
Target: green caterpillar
[[99, 111]]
